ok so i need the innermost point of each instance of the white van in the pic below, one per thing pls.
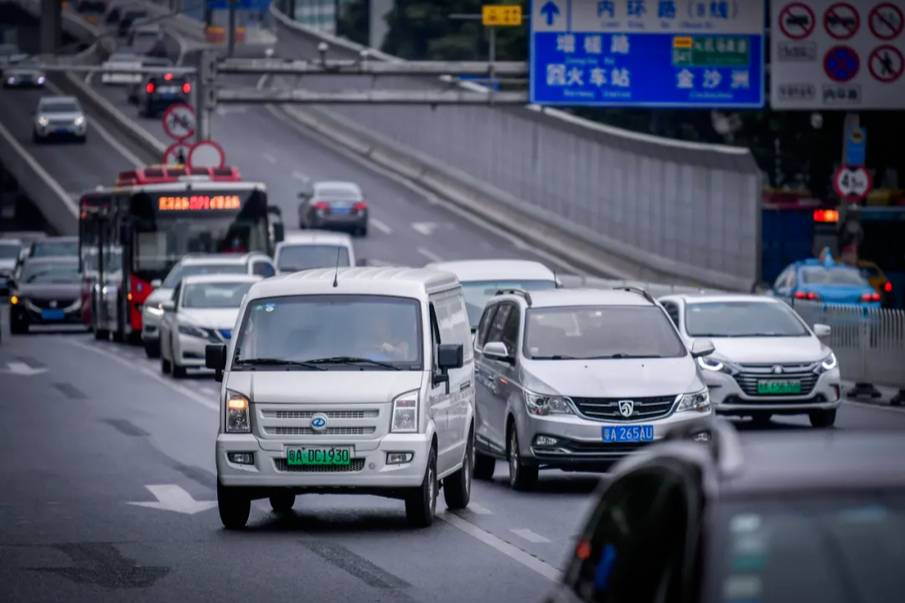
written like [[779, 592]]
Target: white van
[[359, 380]]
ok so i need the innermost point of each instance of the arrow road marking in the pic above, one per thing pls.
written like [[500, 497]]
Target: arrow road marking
[[171, 497], [20, 368], [425, 228]]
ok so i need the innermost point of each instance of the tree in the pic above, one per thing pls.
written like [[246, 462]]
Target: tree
[[353, 21]]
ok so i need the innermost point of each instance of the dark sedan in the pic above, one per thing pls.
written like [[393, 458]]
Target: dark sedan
[[45, 291], [23, 77]]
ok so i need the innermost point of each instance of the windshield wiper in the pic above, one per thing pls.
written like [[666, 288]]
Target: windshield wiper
[[621, 355], [277, 362], [352, 360]]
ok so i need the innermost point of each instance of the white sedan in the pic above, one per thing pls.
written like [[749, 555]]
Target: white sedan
[[203, 310]]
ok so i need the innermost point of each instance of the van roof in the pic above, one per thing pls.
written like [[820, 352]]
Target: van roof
[[401, 282], [313, 237], [477, 270]]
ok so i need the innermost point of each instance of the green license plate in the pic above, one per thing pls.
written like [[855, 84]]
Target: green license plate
[[318, 456], [775, 387]]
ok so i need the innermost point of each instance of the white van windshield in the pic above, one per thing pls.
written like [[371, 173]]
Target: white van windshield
[[330, 332]]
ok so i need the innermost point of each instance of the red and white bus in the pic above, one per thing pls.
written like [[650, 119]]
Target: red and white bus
[[130, 235]]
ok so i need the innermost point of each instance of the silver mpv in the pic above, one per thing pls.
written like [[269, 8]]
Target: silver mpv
[[577, 379]]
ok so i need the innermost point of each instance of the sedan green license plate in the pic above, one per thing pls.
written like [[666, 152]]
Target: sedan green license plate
[[774, 387], [318, 456]]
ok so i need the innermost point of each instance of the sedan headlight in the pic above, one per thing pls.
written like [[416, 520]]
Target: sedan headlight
[[191, 331], [829, 363], [541, 405], [43, 121], [237, 408], [405, 413], [79, 121], [715, 364], [699, 401], [155, 309]]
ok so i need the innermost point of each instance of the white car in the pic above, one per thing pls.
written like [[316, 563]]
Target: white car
[[152, 310], [203, 311], [121, 68], [768, 361], [359, 382], [481, 279], [59, 116], [314, 249]]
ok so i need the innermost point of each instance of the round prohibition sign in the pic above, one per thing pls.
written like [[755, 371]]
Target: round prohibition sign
[[796, 20], [841, 20], [886, 63], [841, 63], [177, 153], [179, 121], [886, 21], [206, 154]]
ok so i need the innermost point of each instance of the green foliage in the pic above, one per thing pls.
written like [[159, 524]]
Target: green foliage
[[352, 22]]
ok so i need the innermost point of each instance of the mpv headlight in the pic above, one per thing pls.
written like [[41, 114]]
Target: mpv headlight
[[237, 409], [699, 401], [405, 413], [829, 363], [541, 405]]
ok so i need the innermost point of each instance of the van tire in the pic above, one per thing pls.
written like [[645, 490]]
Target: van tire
[[822, 418], [522, 476], [234, 507], [421, 502], [457, 487], [484, 466], [282, 503]]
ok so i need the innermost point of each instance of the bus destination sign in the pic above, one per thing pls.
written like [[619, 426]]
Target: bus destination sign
[[198, 202]]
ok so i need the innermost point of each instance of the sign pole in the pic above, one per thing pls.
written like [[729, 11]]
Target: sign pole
[[491, 58], [851, 122], [203, 90], [231, 41]]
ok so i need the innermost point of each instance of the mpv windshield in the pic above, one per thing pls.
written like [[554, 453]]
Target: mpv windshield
[[586, 332], [334, 332], [214, 295], [304, 257], [478, 292], [742, 319]]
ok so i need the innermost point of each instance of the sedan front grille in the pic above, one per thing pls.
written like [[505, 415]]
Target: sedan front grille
[[608, 409], [49, 303], [283, 466], [748, 377]]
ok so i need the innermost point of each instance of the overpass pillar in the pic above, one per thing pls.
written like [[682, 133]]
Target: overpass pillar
[[51, 25]]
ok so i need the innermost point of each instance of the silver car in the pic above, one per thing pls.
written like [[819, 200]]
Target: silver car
[[767, 361], [576, 379], [59, 116]]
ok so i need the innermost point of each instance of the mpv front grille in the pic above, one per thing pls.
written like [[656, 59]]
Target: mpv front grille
[[750, 374], [608, 409], [355, 465], [327, 431]]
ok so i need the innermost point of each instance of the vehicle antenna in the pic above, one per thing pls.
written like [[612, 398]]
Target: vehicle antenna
[[336, 270]]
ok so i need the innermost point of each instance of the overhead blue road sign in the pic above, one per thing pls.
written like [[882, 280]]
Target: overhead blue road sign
[[658, 53], [255, 5]]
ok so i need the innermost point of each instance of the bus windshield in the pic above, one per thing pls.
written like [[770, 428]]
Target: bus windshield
[[170, 225]]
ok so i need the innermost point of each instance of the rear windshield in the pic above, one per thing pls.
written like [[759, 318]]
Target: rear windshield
[[588, 332], [836, 550], [214, 295], [293, 258], [48, 249], [742, 319], [818, 275], [179, 272], [333, 332], [338, 194]]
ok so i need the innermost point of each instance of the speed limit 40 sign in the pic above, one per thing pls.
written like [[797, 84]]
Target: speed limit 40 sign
[[852, 184]]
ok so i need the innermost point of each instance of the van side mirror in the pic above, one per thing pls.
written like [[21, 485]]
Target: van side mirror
[[449, 356], [821, 330], [497, 350], [702, 347], [215, 358]]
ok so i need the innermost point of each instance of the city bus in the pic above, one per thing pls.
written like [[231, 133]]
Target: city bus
[[131, 235]]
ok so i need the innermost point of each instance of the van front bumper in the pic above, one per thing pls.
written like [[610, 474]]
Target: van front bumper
[[368, 471]]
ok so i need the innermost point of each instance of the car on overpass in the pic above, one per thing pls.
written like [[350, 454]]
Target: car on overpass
[[59, 117], [773, 518], [481, 279], [23, 76], [768, 361], [162, 90], [203, 310], [334, 205], [45, 291], [121, 68], [577, 379], [152, 311], [314, 249], [355, 382]]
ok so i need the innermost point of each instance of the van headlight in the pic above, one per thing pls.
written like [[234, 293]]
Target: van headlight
[[405, 413], [699, 401], [541, 405], [829, 363], [237, 420]]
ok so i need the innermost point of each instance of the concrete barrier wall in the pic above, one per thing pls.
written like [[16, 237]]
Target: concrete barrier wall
[[667, 207]]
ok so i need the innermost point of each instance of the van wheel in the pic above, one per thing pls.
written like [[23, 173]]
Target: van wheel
[[822, 418], [521, 475], [421, 502], [165, 366], [234, 507], [282, 502], [457, 487], [484, 466]]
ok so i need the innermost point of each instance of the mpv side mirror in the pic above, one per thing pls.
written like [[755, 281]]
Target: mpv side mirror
[[497, 350], [821, 330], [168, 306], [215, 358], [702, 347]]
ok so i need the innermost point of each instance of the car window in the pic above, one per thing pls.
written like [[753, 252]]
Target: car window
[[510, 329], [338, 194], [742, 319], [499, 322], [819, 275], [264, 269], [46, 249], [293, 258], [214, 295], [451, 320], [672, 309], [9, 252], [478, 292], [486, 322], [782, 279]]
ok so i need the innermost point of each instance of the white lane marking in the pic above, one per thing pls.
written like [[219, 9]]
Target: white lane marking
[[269, 157], [21, 368], [195, 397], [208, 390], [877, 406], [429, 254], [380, 225], [529, 535], [105, 134], [478, 509], [533, 563], [425, 228], [303, 177], [171, 497]]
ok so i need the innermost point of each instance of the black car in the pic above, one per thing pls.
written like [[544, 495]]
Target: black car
[[778, 517], [161, 91], [45, 291], [23, 77]]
